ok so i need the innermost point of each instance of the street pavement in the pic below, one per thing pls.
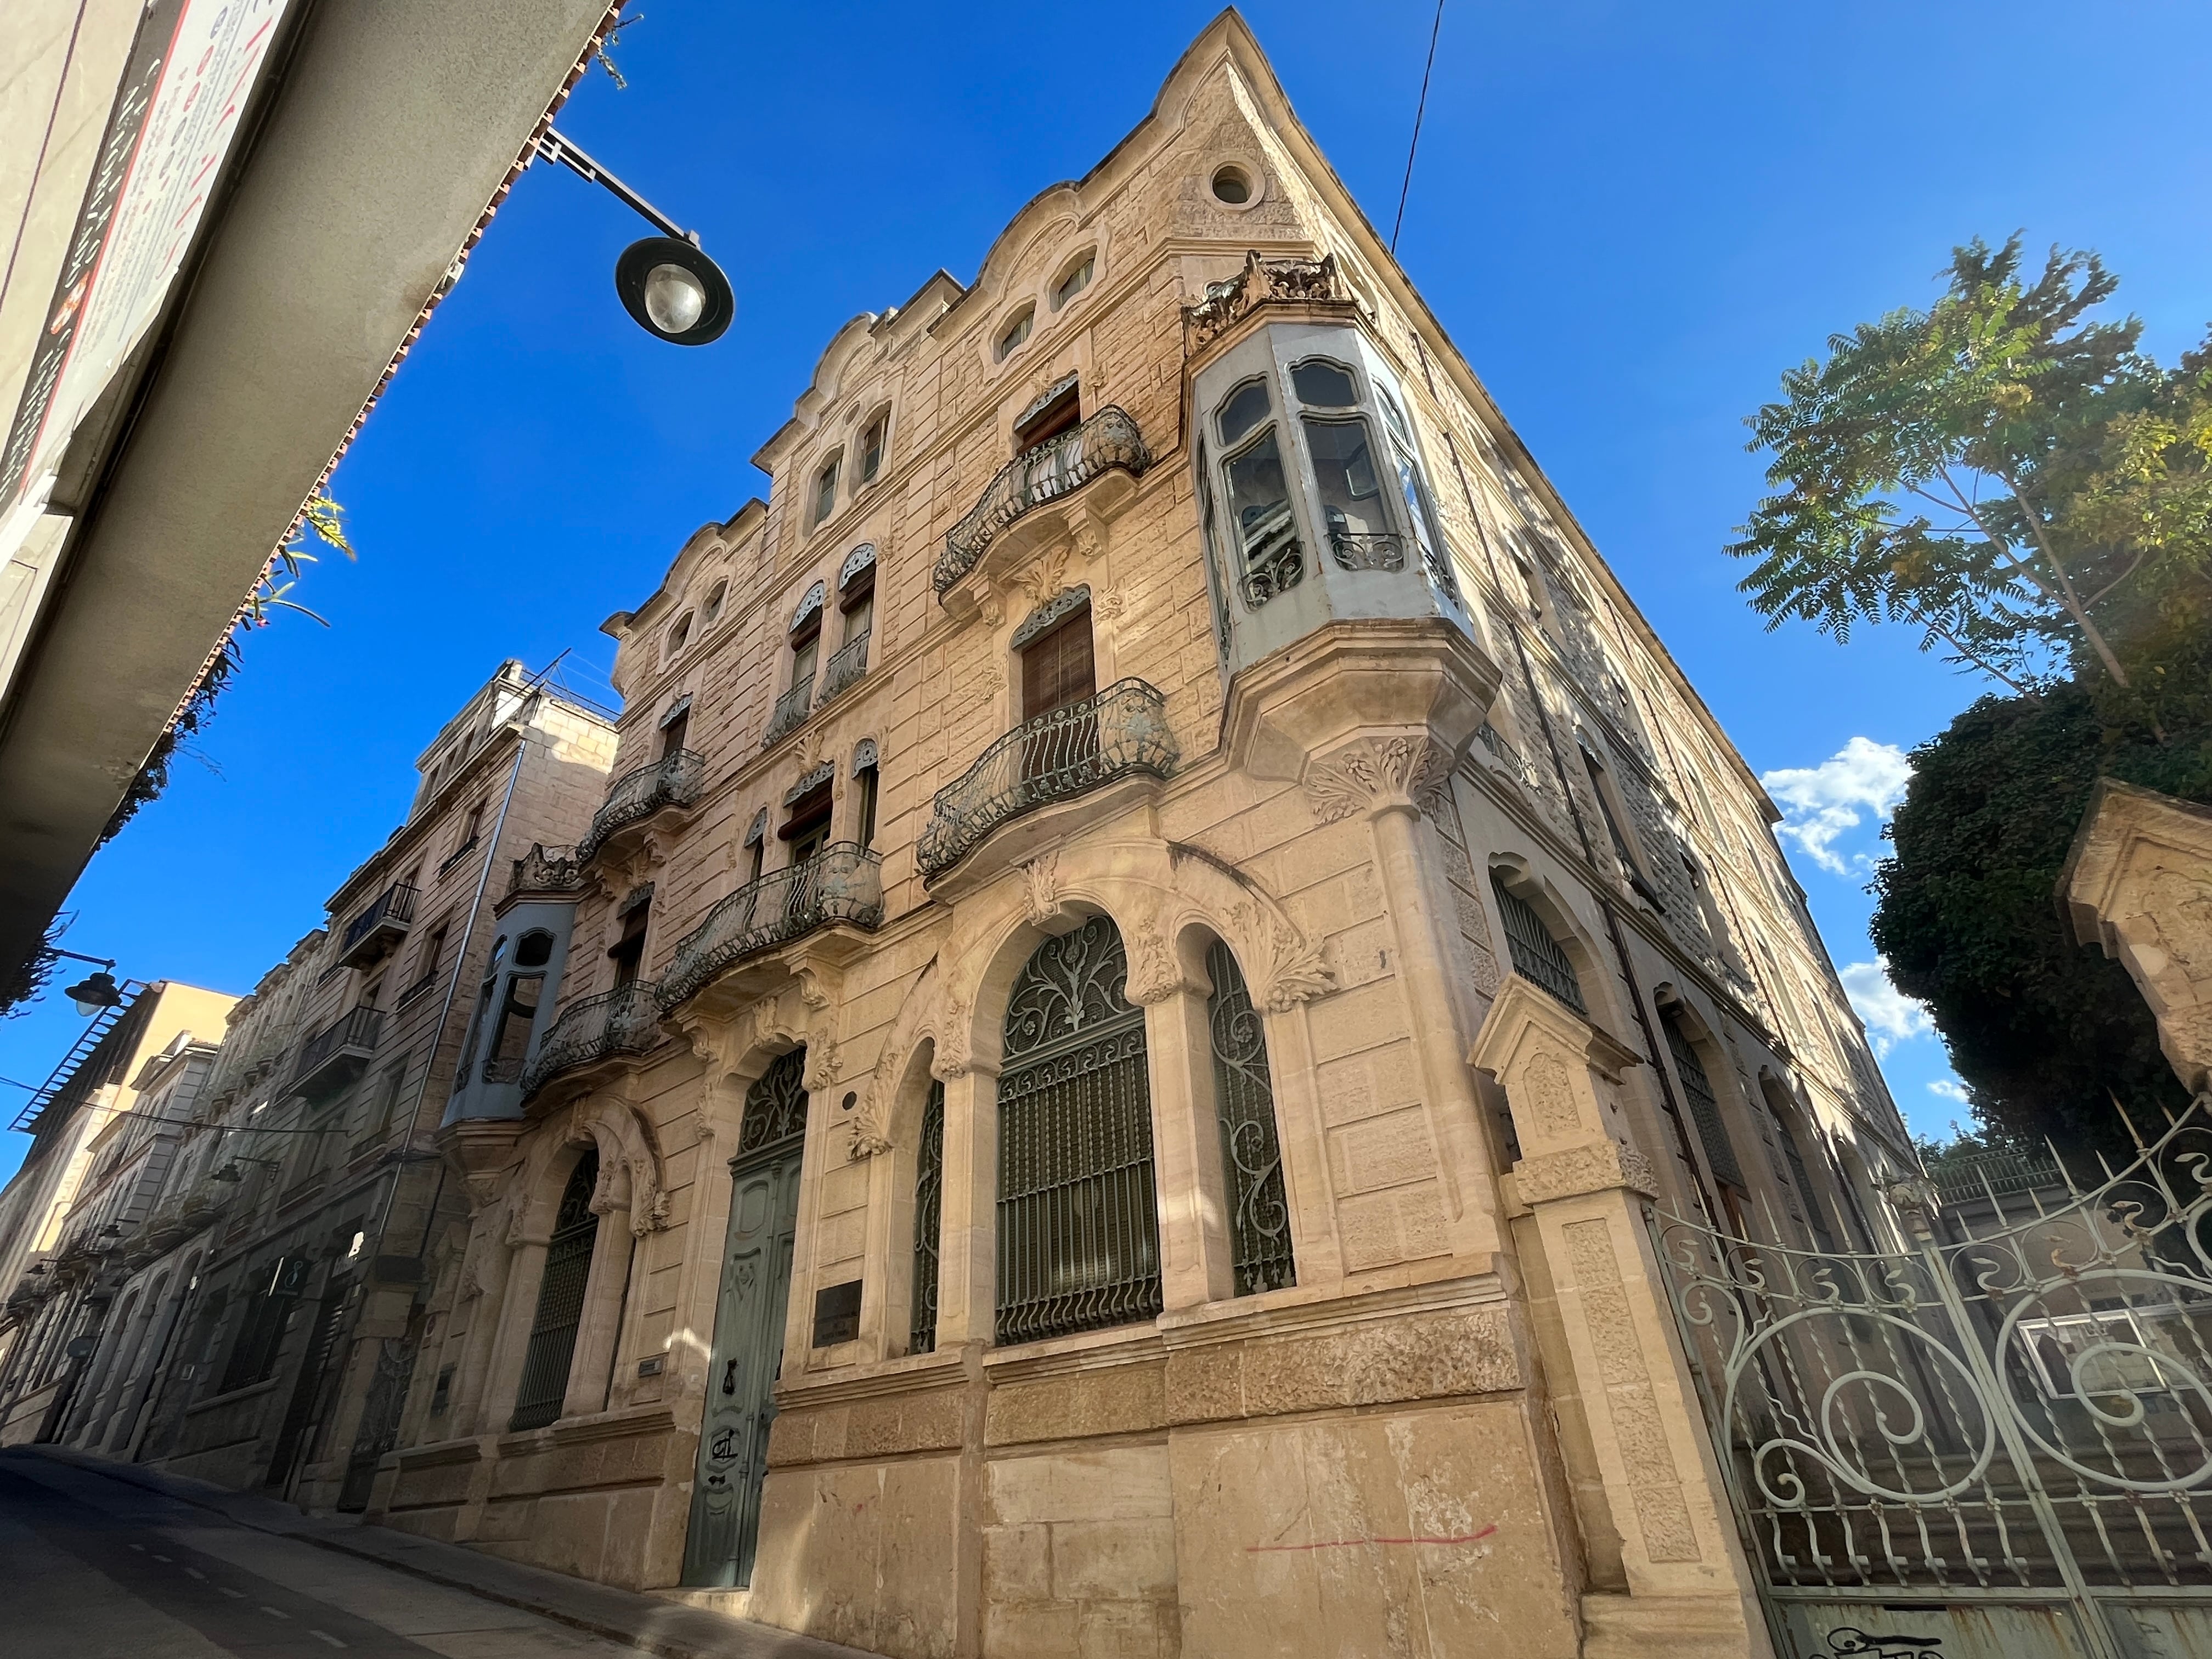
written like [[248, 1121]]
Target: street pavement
[[98, 1565]]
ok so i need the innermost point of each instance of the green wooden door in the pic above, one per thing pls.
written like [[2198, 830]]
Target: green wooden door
[[749, 1324]]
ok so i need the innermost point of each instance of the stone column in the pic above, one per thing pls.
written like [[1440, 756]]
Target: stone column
[[599, 1331], [1195, 1261], [968, 1233], [2139, 883], [1690, 1590]]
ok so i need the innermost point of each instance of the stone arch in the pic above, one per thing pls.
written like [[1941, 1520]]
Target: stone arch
[[631, 1174]]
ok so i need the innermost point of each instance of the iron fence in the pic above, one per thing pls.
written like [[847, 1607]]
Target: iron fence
[[1057, 467], [1119, 732], [841, 883]]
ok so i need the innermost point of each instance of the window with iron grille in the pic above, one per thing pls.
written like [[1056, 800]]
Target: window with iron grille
[[1536, 955], [1704, 1104], [1078, 1226], [560, 1300], [1251, 1153], [254, 1358], [929, 1206]]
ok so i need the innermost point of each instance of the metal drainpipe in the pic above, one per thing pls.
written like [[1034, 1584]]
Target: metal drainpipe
[[1582, 834]]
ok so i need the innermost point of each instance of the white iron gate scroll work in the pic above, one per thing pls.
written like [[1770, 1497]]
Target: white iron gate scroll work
[[1984, 1448]]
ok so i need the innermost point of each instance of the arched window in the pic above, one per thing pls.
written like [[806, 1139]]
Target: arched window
[[1078, 1228], [928, 1208], [560, 1300], [1704, 1104], [1537, 957], [1251, 1153], [1264, 529]]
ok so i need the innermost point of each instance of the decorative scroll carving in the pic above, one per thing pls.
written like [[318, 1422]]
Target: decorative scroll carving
[[956, 1051], [1040, 888], [1153, 975], [1262, 281], [1596, 1168], [1044, 578], [1373, 775], [1552, 1096]]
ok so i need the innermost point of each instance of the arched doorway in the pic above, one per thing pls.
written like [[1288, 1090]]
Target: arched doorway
[[1078, 1225], [748, 1319]]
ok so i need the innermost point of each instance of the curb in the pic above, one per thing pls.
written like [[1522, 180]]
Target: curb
[[647, 1623]]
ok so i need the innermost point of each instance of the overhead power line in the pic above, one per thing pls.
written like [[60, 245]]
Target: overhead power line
[[1420, 110]]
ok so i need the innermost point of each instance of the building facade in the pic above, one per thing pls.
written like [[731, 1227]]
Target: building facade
[[1096, 1082], [267, 1312]]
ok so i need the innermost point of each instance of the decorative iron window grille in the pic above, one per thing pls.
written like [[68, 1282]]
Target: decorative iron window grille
[[775, 1107], [672, 780], [253, 1356], [1058, 466], [1536, 955], [847, 666], [928, 1210], [1277, 571], [560, 1300], [1251, 1153], [841, 883], [1118, 734], [394, 907], [623, 1021], [1704, 1104], [1367, 551], [1079, 1225], [789, 713]]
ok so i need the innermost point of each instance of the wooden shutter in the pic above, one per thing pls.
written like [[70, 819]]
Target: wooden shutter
[[1056, 669]]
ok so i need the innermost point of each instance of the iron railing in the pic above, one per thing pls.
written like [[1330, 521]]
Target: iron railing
[[1119, 732], [841, 883], [1251, 1151], [1991, 1176], [847, 666], [394, 906], [552, 1346], [789, 713], [547, 869], [672, 780], [928, 1212], [1367, 551], [356, 1029], [623, 1021], [1057, 467], [1536, 955]]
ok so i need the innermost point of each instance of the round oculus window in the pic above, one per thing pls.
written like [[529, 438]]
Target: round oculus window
[[1232, 185]]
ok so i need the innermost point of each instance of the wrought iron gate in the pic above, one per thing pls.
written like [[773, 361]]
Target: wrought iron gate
[[1993, 1446]]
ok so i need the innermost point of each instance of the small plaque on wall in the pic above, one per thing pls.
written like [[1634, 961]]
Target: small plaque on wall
[[837, 1314]]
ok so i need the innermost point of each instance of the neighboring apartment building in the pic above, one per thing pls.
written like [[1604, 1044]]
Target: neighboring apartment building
[[273, 1316], [100, 1146], [1092, 1085]]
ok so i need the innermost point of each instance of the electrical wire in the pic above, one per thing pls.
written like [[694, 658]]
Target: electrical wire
[[1420, 110]]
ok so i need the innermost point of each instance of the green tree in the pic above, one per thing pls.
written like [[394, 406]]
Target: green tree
[[2003, 471]]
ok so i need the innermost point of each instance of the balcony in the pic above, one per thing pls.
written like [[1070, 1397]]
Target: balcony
[[789, 713], [1109, 440], [1120, 732], [847, 666], [623, 1021], [373, 934], [671, 780], [841, 883], [337, 1053]]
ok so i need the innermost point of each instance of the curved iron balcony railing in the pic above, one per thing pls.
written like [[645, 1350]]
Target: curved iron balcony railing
[[1117, 733], [843, 882], [623, 1021], [789, 713], [671, 780], [1057, 467], [847, 666]]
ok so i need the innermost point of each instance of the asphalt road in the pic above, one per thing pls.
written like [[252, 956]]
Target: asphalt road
[[94, 1568]]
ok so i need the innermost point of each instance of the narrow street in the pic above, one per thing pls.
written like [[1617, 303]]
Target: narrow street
[[100, 1568]]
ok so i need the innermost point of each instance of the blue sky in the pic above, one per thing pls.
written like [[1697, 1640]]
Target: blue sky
[[1631, 217]]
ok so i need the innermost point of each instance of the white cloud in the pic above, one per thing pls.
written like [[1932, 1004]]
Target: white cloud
[[1891, 1015], [1825, 801], [1948, 1090]]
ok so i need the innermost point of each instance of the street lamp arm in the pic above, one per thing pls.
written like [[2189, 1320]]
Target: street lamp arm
[[552, 147]]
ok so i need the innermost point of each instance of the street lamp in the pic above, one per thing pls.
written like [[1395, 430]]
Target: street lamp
[[96, 990], [667, 282]]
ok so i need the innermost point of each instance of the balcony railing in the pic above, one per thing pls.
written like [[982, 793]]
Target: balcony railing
[[338, 1053], [671, 780], [1057, 467], [547, 869], [841, 883], [1120, 733], [789, 713], [847, 666], [380, 926], [623, 1021]]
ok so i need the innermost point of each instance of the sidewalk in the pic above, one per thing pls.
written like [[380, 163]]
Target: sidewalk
[[645, 1622]]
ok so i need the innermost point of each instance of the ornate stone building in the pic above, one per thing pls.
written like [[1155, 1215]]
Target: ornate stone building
[[1096, 1082]]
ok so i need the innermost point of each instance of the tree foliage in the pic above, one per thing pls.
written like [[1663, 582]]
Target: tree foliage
[[2004, 471], [2044, 1032]]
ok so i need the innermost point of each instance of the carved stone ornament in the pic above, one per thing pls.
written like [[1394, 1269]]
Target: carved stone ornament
[[1291, 968], [1049, 613], [1040, 889], [823, 1062], [1594, 1168], [1154, 976], [1090, 536], [1045, 577], [819, 986], [1377, 774], [1108, 606], [994, 608], [1552, 1097], [954, 1055]]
